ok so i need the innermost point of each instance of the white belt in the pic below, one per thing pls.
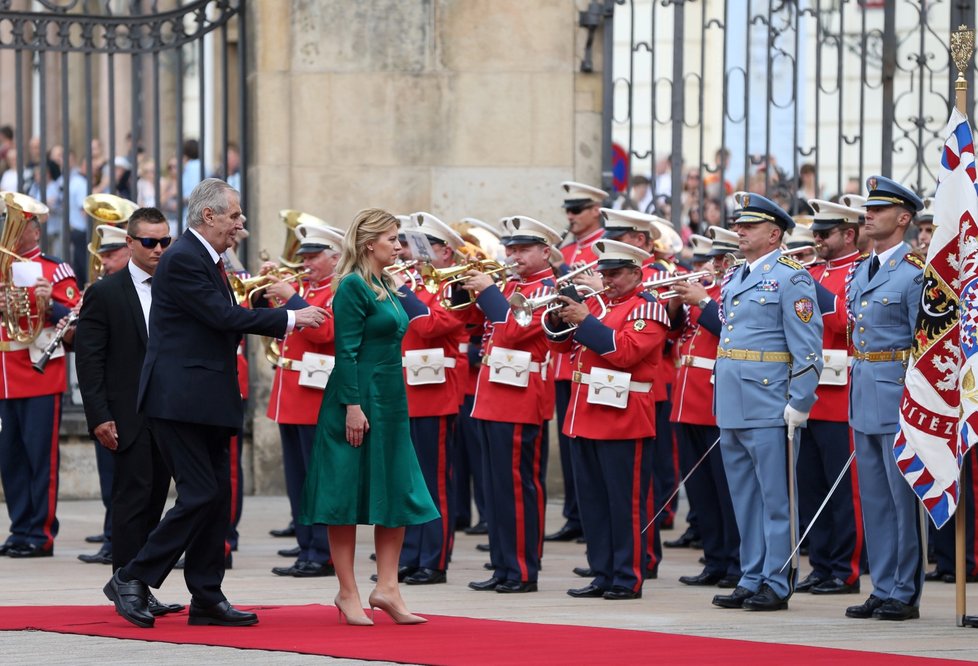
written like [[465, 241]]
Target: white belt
[[449, 362], [633, 387], [463, 347], [534, 366], [688, 361], [13, 345]]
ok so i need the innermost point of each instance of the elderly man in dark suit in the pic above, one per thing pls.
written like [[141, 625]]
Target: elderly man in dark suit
[[110, 345], [188, 390]]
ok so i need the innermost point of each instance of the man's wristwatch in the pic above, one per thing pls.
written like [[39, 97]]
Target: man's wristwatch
[[703, 302]]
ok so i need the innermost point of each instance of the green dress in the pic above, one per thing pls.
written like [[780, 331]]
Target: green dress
[[379, 482]]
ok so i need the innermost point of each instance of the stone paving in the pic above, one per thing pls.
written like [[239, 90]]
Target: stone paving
[[667, 606]]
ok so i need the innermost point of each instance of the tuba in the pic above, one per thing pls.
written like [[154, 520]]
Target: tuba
[[104, 209], [245, 289], [444, 280], [23, 317], [292, 219]]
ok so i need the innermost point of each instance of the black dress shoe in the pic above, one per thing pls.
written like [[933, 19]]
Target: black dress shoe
[[305, 569], [865, 610], [516, 587], [287, 532], [766, 599], [565, 533], [683, 541], [402, 573], [703, 579], [936, 574], [485, 585], [290, 552], [221, 615], [584, 572], [733, 600], [30, 550], [157, 607], [950, 578], [836, 586], [488, 566], [95, 538], [7, 547], [180, 563], [652, 574], [896, 611], [426, 576], [618, 593], [586, 592], [478, 528], [482, 547], [808, 582], [103, 556], [728, 582], [131, 600]]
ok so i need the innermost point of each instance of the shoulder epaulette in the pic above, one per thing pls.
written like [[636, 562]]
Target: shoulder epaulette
[[650, 310], [52, 258], [914, 260], [648, 296], [790, 263]]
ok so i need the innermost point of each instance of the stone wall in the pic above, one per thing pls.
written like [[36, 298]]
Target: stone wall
[[457, 107]]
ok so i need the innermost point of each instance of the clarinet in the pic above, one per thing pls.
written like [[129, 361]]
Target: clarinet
[[53, 345]]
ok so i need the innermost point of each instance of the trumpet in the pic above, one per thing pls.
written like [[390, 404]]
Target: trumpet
[[405, 267], [798, 251], [245, 290], [444, 280], [523, 307], [728, 261], [655, 285], [566, 278], [52, 346]]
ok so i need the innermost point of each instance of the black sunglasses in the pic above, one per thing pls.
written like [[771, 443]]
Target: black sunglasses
[[577, 210], [150, 243]]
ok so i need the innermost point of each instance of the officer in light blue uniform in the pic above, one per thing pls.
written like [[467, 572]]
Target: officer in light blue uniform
[[768, 363], [883, 297]]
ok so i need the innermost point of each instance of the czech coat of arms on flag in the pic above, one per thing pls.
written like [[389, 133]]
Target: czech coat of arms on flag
[[939, 409]]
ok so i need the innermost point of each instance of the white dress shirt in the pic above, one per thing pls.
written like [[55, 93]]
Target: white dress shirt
[[141, 281]]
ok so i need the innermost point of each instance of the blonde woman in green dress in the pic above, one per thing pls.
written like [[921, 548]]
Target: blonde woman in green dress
[[363, 468]]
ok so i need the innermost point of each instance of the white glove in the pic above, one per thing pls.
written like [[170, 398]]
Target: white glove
[[794, 419]]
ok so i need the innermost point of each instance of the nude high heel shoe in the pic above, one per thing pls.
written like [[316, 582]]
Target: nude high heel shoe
[[356, 621], [377, 601]]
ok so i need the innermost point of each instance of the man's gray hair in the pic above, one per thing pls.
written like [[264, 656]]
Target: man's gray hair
[[209, 193]]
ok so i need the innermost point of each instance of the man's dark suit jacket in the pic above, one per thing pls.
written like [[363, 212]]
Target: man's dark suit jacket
[[110, 344], [190, 371]]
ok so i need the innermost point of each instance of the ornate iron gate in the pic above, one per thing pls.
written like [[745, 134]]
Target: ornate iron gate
[[838, 88]]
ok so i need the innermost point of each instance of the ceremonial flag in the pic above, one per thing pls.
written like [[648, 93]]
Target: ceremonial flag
[[939, 409]]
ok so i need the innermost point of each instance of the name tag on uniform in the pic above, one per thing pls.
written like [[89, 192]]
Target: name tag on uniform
[[424, 366], [608, 387], [315, 369], [510, 366], [36, 349], [835, 372]]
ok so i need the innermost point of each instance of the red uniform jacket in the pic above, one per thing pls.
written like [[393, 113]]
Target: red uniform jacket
[[692, 397], [578, 252], [628, 339], [290, 403], [658, 269], [18, 379], [432, 326], [833, 401], [494, 401]]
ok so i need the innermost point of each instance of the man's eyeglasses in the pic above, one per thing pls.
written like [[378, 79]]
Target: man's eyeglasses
[[150, 243], [824, 234], [577, 210]]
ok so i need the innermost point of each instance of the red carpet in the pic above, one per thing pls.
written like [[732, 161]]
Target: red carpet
[[314, 629]]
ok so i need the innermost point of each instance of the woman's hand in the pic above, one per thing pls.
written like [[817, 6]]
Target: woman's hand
[[356, 425]]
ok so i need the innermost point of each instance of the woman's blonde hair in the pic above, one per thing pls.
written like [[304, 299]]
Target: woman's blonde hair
[[367, 227]]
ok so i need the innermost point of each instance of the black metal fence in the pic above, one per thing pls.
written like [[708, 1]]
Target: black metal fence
[[793, 98]]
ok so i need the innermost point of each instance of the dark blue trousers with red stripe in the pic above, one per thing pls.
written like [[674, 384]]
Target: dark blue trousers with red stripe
[[514, 464], [835, 542], [613, 479], [571, 512], [235, 450], [429, 546], [664, 462], [296, 448], [467, 467], [709, 496], [944, 537], [29, 467]]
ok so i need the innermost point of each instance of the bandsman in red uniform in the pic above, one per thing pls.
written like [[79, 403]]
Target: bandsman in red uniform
[[835, 543], [611, 418], [693, 420], [582, 205], [303, 367], [30, 403], [510, 405], [430, 350]]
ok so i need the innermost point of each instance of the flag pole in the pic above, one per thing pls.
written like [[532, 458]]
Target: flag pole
[[962, 48]]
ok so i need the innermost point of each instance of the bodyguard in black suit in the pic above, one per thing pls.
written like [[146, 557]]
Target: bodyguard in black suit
[[110, 344], [188, 391]]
